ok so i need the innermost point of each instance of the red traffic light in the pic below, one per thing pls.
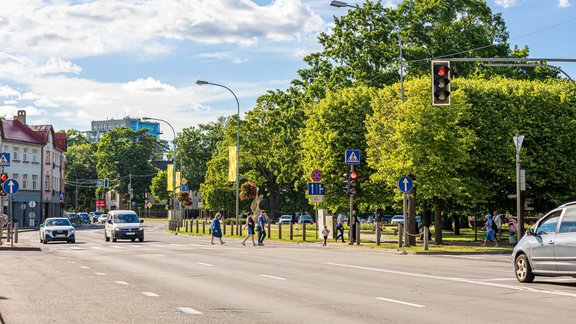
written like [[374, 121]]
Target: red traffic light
[[443, 70], [4, 176], [353, 176]]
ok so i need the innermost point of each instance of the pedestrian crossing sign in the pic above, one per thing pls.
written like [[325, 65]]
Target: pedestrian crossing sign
[[352, 157], [4, 159]]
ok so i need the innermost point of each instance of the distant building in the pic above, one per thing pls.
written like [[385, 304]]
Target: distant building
[[101, 127]]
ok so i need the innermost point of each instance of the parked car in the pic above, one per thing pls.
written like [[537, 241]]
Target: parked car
[[72, 217], [547, 249], [399, 219], [286, 219], [386, 219], [83, 218], [94, 216], [305, 219], [123, 224], [57, 229], [102, 218]]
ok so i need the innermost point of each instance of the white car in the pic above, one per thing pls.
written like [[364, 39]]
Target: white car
[[57, 229], [123, 224], [102, 219]]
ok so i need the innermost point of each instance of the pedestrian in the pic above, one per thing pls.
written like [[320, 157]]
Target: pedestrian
[[250, 224], [489, 230], [353, 223], [325, 233], [260, 228], [499, 222], [340, 229], [216, 230], [513, 228]]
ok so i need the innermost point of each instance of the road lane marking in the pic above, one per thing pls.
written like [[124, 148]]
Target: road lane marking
[[190, 311], [194, 244], [476, 268], [122, 283], [84, 267], [453, 279], [136, 246], [100, 274], [175, 244], [117, 247], [399, 302], [272, 277], [97, 248], [205, 264], [76, 248], [149, 294], [498, 279]]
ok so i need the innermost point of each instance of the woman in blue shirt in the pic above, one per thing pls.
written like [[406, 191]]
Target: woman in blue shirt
[[489, 230], [215, 226]]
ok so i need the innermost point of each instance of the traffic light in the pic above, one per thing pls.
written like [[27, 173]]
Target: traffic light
[[440, 83], [3, 177], [354, 183], [61, 202], [106, 183], [346, 184]]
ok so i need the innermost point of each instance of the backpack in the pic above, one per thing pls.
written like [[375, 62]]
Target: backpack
[[493, 225]]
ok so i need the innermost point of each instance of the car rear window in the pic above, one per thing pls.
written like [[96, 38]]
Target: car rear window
[[568, 224]]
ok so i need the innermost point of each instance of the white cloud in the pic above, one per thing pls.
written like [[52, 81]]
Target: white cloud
[[227, 56], [7, 92], [149, 85], [563, 3], [506, 3], [55, 65]]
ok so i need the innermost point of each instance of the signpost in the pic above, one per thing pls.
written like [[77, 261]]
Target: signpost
[[316, 188], [405, 185], [518, 139]]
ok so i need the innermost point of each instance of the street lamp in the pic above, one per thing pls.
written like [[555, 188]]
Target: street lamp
[[341, 4], [200, 82], [173, 173]]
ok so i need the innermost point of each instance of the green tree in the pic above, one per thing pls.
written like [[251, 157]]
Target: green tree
[[75, 137], [81, 173], [158, 187]]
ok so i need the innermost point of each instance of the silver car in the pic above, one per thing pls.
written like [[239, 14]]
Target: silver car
[[549, 247]]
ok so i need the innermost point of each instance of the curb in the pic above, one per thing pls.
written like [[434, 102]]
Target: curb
[[7, 247]]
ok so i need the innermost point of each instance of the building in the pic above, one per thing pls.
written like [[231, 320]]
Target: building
[[37, 164], [101, 127]]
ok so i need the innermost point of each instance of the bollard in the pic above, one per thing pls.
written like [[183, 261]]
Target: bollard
[[426, 233], [16, 233], [279, 230], [358, 234], [291, 231], [378, 229], [197, 226], [303, 231], [203, 226], [9, 233], [186, 226], [240, 229], [400, 235], [269, 230], [224, 228]]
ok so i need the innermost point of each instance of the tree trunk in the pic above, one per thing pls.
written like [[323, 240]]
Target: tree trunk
[[437, 221], [457, 225]]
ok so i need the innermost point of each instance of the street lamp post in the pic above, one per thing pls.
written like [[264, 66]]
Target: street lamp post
[[200, 82], [341, 4], [174, 171]]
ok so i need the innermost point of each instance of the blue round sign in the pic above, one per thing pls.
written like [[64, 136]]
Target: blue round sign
[[11, 186], [405, 184]]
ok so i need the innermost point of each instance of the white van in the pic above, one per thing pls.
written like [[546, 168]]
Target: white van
[[123, 224]]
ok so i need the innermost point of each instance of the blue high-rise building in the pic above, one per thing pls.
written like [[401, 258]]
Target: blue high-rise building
[[101, 127]]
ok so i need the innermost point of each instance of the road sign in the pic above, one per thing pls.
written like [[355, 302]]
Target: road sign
[[316, 188], [184, 188], [61, 195], [405, 184], [352, 157], [316, 199], [11, 186], [32, 204], [183, 181], [149, 205], [4, 159], [316, 175], [31, 215]]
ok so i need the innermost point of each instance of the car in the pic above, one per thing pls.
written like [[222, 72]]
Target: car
[[399, 219], [547, 248], [102, 218], [305, 219], [57, 229], [286, 219], [94, 216], [123, 224], [386, 219], [71, 217], [83, 218], [370, 219]]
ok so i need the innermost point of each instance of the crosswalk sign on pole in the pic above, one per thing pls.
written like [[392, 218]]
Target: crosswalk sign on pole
[[352, 157], [4, 159]]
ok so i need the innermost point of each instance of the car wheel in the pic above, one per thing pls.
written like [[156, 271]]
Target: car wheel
[[114, 239], [44, 241], [133, 240], [141, 239], [73, 241], [522, 269]]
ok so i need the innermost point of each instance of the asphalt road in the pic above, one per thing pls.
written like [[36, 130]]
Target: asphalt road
[[181, 279]]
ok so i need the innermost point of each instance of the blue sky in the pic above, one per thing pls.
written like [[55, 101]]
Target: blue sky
[[70, 62]]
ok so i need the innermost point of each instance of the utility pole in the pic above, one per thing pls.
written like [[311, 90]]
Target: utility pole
[[76, 198], [130, 191]]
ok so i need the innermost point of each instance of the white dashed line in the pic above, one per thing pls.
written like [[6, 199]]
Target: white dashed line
[[194, 244], [100, 274], [149, 294], [97, 248], [84, 267], [190, 311], [205, 264], [122, 283], [137, 246], [272, 277], [76, 248], [399, 302]]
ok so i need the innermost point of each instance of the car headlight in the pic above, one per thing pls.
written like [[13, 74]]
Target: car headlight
[[117, 229], [141, 228], [72, 230], [48, 232]]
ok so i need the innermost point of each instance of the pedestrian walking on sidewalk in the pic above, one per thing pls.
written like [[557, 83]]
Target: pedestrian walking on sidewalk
[[489, 230], [499, 222], [513, 228], [325, 233], [250, 224], [261, 228], [340, 229], [216, 230]]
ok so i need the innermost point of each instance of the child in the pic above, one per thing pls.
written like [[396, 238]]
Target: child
[[325, 233]]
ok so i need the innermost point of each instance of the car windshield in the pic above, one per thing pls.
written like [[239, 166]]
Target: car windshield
[[126, 218], [286, 216], [306, 217], [58, 222]]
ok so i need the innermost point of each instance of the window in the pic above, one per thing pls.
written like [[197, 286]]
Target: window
[[568, 224], [24, 181], [47, 183], [34, 182], [15, 176], [15, 153], [25, 154], [48, 157], [549, 224], [34, 155]]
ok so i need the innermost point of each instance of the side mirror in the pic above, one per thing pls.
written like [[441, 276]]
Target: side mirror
[[141, 221], [532, 232]]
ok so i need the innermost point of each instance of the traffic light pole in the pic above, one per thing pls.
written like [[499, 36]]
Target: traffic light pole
[[352, 221]]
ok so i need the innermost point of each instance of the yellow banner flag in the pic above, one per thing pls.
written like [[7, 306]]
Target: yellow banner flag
[[170, 177], [232, 163], [178, 181]]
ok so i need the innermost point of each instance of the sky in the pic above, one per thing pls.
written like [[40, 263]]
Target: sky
[[69, 62]]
